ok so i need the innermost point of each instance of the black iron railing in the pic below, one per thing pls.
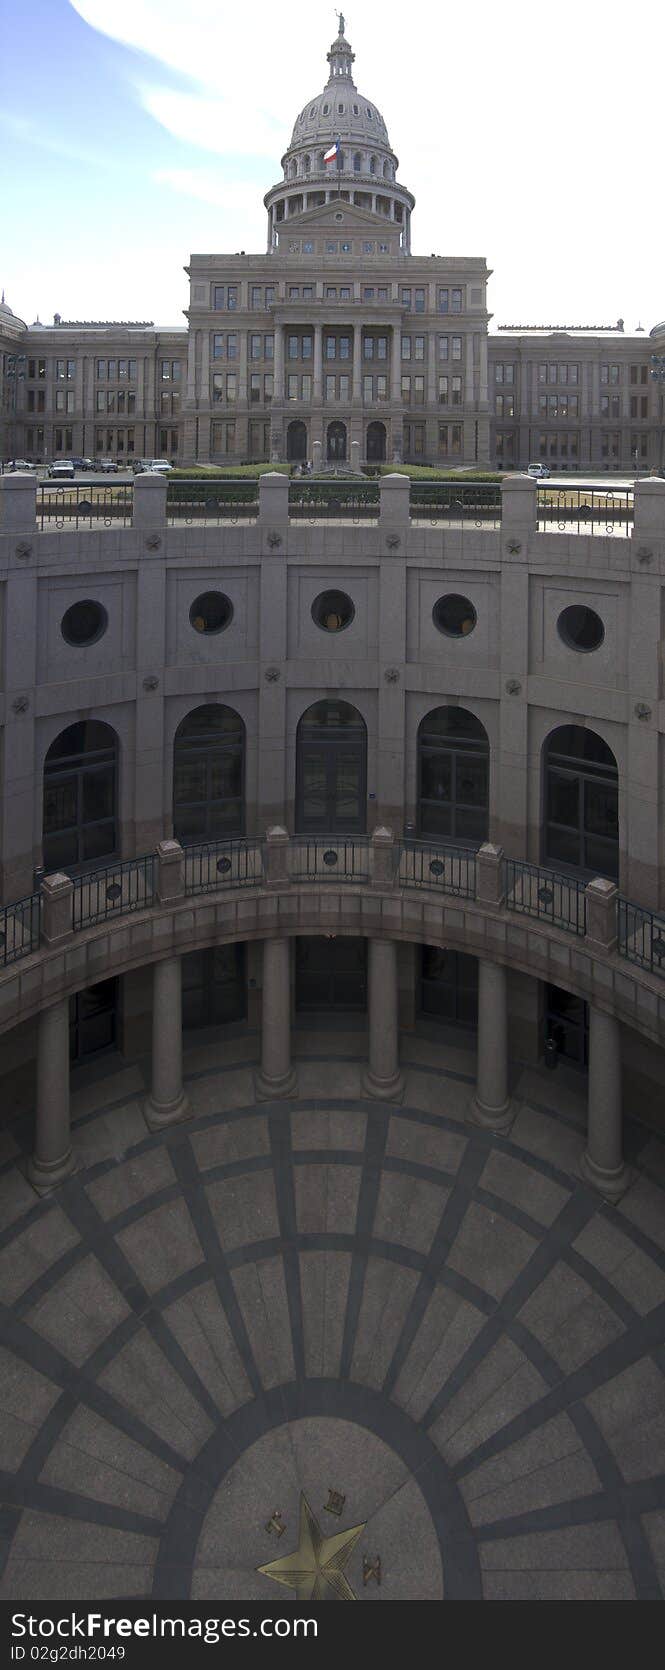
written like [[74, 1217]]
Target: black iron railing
[[113, 890], [212, 865], [641, 937], [213, 502], [334, 501], [475, 502], [546, 894], [594, 510], [330, 858], [427, 864], [19, 929], [77, 506]]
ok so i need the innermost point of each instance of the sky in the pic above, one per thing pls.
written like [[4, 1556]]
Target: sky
[[133, 132]]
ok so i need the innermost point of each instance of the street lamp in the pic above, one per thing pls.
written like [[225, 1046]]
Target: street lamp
[[657, 372], [15, 371]]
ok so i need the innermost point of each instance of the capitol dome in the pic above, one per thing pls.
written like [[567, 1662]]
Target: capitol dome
[[340, 111]]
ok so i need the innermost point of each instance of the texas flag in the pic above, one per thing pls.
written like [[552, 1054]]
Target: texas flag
[[333, 153]]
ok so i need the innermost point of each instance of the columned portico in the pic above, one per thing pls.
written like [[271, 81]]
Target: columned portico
[[52, 1161], [602, 1162], [490, 1106], [276, 1076], [382, 1078], [167, 1102]]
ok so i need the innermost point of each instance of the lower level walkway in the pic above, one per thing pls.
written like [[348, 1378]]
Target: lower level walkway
[[430, 1331]]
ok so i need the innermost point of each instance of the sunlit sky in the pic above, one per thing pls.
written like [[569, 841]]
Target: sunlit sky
[[136, 131]]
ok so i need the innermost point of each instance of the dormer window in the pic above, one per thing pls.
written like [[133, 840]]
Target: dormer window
[[340, 109]]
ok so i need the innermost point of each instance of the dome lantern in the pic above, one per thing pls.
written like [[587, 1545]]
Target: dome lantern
[[341, 58]]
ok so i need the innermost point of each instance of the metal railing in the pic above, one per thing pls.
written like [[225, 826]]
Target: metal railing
[[546, 894], [199, 500], [212, 865], [333, 501], [426, 864], [19, 929], [641, 936], [114, 890], [576, 510], [77, 506], [329, 858], [473, 502]]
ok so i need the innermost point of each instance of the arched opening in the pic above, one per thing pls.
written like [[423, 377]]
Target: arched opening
[[336, 443], [581, 802], [376, 443], [208, 775], [80, 796], [357, 162], [331, 770], [296, 442], [453, 777]]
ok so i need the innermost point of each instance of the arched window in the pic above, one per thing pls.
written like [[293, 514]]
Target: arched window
[[307, 164], [331, 770], [581, 802], [80, 796], [372, 165], [357, 160], [453, 777], [208, 775]]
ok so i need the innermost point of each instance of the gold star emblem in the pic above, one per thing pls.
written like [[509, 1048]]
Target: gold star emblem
[[315, 1569]]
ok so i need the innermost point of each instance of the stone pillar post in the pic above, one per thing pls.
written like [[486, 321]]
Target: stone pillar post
[[149, 504], [355, 457], [317, 453], [491, 1106], [519, 506], [649, 511], [18, 501], [274, 501], [279, 363], [394, 491], [276, 857], [357, 360], [489, 875], [318, 363], [601, 915], [382, 1077], [602, 1163], [52, 1160], [383, 858], [57, 897], [276, 1076], [167, 1102]]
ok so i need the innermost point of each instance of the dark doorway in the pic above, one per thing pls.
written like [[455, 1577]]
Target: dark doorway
[[581, 802], [214, 986], [453, 777], [449, 986], [331, 974], [296, 443], [208, 775], [93, 1020], [567, 1022], [376, 443], [80, 792], [336, 443], [331, 770]]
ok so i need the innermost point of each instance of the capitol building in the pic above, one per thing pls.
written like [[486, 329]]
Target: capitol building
[[332, 936]]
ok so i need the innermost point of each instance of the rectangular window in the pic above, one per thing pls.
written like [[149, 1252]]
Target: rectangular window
[[330, 387], [419, 391], [255, 347], [406, 391], [232, 299], [443, 439], [542, 373], [345, 347], [498, 373], [292, 348], [255, 388], [406, 347], [368, 347], [294, 292], [60, 402], [382, 293], [256, 296], [307, 289], [71, 370], [131, 402], [510, 373], [443, 304], [307, 347], [270, 295], [292, 386], [344, 387], [456, 437], [331, 293], [122, 369], [231, 386], [60, 369], [604, 405], [457, 391], [443, 391], [345, 293], [456, 301], [306, 386], [419, 347], [268, 386], [217, 387], [498, 405], [131, 370], [573, 374], [443, 347], [368, 293], [218, 297], [331, 348], [457, 348], [420, 301], [406, 298], [164, 370], [381, 387], [368, 389], [217, 345], [231, 346], [268, 347]]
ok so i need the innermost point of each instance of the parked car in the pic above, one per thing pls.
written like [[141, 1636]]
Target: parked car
[[20, 466], [538, 472], [83, 463], [160, 466], [108, 466], [141, 466], [61, 469]]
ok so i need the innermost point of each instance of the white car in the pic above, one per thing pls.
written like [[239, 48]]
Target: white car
[[538, 472], [20, 466], [108, 466], [61, 469], [159, 466]]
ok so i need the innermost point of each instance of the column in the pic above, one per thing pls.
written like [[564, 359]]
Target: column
[[52, 1160], [432, 392], [242, 372], [396, 365], [484, 370], [276, 1076], [318, 363], [602, 1163], [469, 397], [357, 361], [382, 1077], [491, 1106], [167, 1101], [279, 363]]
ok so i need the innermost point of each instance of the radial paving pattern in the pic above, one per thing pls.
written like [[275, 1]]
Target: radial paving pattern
[[355, 1301]]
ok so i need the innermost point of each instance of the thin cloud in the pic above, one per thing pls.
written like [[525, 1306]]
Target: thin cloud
[[211, 124], [234, 196]]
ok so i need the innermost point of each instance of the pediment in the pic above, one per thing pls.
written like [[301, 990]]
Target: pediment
[[355, 219]]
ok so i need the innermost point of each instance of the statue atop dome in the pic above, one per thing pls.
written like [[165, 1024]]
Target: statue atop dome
[[340, 15]]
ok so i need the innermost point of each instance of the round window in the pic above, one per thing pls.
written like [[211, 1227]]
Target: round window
[[210, 612], [580, 628], [84, 623], [332, 611], [454, 615]]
